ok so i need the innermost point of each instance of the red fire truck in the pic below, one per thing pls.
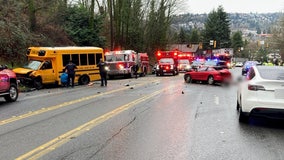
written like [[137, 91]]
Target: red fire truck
[[143, 64], [184, 60], [123, 63], [167, 63]]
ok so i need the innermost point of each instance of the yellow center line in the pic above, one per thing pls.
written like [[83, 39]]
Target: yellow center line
[[64, 138], [43, 110]]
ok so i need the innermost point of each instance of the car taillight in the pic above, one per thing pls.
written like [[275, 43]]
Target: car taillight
[[4, 78], [255, 87]]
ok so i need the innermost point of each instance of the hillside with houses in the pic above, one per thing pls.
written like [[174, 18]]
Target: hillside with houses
[[248, 23]]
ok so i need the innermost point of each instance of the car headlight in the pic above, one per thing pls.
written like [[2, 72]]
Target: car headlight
[[121, 67], [106, 68], [172, 66]]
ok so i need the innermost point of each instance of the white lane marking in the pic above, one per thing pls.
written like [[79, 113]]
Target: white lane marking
[[216, 100]]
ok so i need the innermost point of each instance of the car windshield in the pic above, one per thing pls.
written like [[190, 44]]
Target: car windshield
[[167, 60], [202, 69], [117, 57], [196, 62], [183, 61], [110, 58], [33, 64], [271, 73], [210, 63]]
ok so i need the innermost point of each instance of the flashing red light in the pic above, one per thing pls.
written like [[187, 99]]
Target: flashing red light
[[167, 67], [175, 53], [159, 54]]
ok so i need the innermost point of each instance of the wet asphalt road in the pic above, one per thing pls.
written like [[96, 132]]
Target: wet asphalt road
[[149, 118]]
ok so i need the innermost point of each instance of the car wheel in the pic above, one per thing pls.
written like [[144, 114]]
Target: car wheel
[[210, 80], [38, 83], [13, 93], [242, 117], [238, 106], [188, 79], [84, 80]]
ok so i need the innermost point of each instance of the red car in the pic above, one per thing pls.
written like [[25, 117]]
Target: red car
[[8, 84], [208, 74]]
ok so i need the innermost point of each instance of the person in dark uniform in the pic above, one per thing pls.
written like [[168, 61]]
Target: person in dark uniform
[[70, 68], [136, 68], [103, 72]]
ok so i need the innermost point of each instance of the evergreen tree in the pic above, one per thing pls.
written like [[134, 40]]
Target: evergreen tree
[[182, 36], [77, 25], [217, 28], [194, 36], [237, 43]]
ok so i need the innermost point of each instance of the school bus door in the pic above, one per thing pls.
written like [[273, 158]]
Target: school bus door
[[47, 72]]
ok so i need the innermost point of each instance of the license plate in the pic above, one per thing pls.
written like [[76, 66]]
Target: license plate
[[279, 93]]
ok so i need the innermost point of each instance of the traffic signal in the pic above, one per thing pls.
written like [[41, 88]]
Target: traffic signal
[[200, 45]]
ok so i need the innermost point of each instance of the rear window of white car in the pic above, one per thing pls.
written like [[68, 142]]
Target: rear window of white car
[[271, 73]]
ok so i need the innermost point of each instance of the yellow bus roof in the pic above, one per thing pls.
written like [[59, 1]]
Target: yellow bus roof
[[66, 48]]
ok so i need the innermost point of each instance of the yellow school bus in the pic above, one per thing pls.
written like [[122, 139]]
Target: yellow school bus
[[46, 64]]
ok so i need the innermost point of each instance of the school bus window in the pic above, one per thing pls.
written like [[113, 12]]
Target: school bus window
[[91, 58], [75, 58], [83, 59], [66, 58], [98, 57]]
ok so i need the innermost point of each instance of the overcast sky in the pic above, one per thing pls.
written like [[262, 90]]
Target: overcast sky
[[234, 6]]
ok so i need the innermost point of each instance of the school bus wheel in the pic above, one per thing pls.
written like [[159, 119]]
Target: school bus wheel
[[84, 80], [38, 83]]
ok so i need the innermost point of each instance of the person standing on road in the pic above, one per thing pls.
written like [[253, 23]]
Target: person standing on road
[[103, 72], [70, 68], [136, 68]]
